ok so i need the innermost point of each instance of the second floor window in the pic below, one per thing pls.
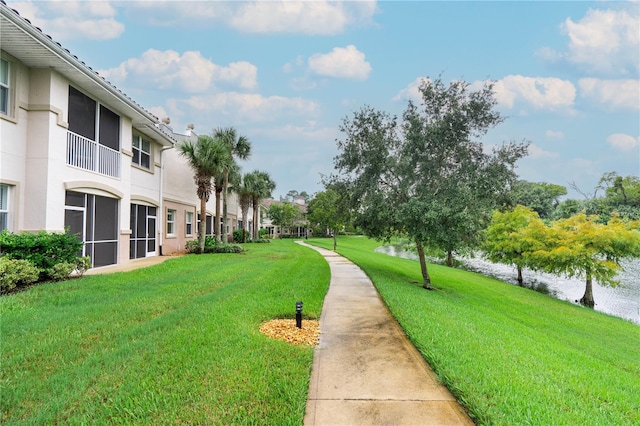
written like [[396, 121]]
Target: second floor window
[[4, 87], [141, 152]]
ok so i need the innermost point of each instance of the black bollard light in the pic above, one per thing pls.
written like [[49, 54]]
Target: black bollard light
[[299, 314]]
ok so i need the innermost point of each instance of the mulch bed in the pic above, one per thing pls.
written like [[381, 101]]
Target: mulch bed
[[286, 330]]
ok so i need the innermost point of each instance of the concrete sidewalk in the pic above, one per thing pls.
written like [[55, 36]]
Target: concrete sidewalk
[[365, 369], [129, 266]]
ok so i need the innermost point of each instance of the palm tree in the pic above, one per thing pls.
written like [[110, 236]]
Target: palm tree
[[261, 186], [205, 157], [240, 148]]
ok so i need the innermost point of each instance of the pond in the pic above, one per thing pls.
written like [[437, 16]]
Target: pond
[[622, 301]]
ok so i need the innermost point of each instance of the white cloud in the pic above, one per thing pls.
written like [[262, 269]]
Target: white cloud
[[190, 71], [536, 152], [618, 94], [411, 91], [603, 41], [554, 134], [306, 17], [548, 93], [342, 62], [623, 142], [247, 107], [73, 19]]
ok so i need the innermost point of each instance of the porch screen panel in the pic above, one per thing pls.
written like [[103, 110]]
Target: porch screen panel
[[141, 222], [105, 242], [109, 128], [82, 114], [105, 253], [75, 199], [151, 242], [74, 219]]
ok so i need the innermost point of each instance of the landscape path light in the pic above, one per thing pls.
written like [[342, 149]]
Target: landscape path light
[[299, 314]]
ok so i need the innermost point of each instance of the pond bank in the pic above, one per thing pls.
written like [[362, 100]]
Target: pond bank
[[622, 301]]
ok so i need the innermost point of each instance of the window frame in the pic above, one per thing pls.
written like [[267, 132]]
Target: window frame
[[138, 151], [171, 222], [188, 221], [5, 89], [6, 210]]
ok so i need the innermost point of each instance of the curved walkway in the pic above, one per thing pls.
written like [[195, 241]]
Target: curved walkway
[[365, 370]]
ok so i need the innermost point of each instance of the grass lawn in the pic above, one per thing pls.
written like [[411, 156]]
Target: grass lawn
[[510, 355], [176, 343]]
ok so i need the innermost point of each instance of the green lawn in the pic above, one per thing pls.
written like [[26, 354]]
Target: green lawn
[[510, 355], [177, 343]]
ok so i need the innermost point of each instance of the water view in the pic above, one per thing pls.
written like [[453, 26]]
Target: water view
[[622, 301]]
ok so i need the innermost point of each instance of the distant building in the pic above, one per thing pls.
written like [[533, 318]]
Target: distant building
[[300, 228]]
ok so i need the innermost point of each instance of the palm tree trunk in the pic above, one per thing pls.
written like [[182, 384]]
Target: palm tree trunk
[[216, 220], [255, 218], [225, 184], [203, 224], [426, 279], [245, 224]]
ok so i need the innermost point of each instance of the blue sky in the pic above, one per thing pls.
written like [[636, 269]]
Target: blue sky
[[284, 74]]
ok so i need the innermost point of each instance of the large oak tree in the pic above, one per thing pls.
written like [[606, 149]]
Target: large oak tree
[[428, 177]]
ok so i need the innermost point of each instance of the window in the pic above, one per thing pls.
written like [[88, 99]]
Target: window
[[189, 223], [171, 222], [141, 152], [4, 207], [4, 87]]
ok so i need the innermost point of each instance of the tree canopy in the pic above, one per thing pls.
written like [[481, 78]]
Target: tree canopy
[[427, 177], [284, 214], [329, 211]]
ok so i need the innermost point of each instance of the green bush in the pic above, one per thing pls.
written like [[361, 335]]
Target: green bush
[[237, 235], [82, 265], [211, 246], [191, 246], [61, 271], [16, 272], [223, 248], [42, 249], [261, 240]]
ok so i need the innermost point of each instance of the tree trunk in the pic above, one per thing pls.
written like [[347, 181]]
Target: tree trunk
[[216, 219], [245, 224], [520, 281], [225, 184], [426, 279], [587, 299], [449, 258], [256, 204], [202, 225], [335, 240]]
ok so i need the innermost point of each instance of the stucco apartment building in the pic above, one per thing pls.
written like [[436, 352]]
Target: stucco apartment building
[[77, 153]]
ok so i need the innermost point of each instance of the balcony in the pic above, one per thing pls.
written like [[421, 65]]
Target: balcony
[[90, 155]]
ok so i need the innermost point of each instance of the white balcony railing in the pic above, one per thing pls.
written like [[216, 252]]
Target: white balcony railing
[[89, 155]]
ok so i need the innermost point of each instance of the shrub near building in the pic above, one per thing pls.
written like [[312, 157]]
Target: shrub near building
[[26, 258]]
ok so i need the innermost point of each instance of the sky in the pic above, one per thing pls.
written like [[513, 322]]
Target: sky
[[286, 73]]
